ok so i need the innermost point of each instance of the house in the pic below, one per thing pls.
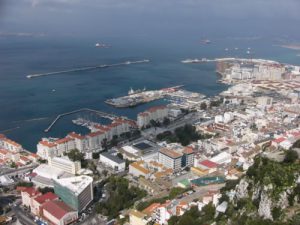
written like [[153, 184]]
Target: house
[[58, 213]]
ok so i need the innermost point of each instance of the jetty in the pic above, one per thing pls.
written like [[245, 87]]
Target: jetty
[[102, 114], [30, 76]]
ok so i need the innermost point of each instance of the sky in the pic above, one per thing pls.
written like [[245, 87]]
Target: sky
[[172, 18]]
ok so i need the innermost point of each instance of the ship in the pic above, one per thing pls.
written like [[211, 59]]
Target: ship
[[101, 45], [205, 41], [132, 92]]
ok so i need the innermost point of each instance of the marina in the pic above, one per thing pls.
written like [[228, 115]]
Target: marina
[[102, 114], [87, 68]]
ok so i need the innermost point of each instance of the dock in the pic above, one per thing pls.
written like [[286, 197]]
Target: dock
[[102, 114], [132, 100], [30, 76]]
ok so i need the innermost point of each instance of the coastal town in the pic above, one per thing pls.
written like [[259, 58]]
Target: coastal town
[[171, 159]]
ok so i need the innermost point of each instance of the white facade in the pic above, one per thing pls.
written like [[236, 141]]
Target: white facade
[[65, 164], [170, 160], [112, 161], [157, 113]]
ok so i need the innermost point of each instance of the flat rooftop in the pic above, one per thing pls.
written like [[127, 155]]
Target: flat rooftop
[[142, 146], [76, 184]]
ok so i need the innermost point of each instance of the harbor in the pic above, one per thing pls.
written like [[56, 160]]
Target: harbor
[[139, 97]]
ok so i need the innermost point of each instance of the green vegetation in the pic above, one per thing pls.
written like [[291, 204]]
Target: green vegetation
[[120, 196], [45, 190], [296, 144], [195, 217], [280, 176], [203, 106], [76, 155], [96, 155], [185, 135], [216, 103], [291, 156], [174, 192], [24, 184], [143, 205]]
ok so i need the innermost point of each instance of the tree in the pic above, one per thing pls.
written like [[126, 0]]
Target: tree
[[203, 106], [104, 144], [120, 155], [45, 190], [166, 121], [95, 155], [290, 156], [75, 155]]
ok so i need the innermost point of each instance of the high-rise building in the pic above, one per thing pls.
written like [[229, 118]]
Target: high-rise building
[[65, 164], [77, 192]]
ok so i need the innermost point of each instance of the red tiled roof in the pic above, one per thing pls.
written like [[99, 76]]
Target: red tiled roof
[[209, 164], [57, 208], [11, 142], [77, 136], [4, 151], [31, 191], [279, 140], [63, 140], [94, 134], [46, 197], [188, 150], [48, 144], [155, 108]]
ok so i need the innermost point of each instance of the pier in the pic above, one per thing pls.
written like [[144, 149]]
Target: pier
[[87, 68], [102, 114]]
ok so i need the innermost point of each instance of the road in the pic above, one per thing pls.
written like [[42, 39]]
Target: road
[[23, 217], [14, 172], [201, 191]]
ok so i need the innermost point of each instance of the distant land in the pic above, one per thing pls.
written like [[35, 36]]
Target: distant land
[[291, 46]]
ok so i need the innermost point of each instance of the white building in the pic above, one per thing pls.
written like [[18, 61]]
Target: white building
[[170, 158], [65, 164], [10, 145], [157, 113], [112, 161]]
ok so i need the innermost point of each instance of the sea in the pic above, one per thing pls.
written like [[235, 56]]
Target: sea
[[28, 106]]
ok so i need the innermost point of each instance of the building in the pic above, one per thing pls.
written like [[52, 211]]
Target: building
[[176, 159], [112, 161], [28, 194], [46, 149], [77, 192], [65, 164], [58, 213], [170, 158], [138, 218], [10, 145], [137, 169], [38, 202], [45, 175], [157, 113]]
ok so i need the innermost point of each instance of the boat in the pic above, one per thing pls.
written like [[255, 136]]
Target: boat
[[101, 45], [206, 41]]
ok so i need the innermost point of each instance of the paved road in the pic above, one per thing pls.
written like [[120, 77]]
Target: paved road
[[201, 191], [24, 218], [18, 171]]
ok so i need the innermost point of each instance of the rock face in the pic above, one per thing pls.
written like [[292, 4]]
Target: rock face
[[265, 205], [241, 189]]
